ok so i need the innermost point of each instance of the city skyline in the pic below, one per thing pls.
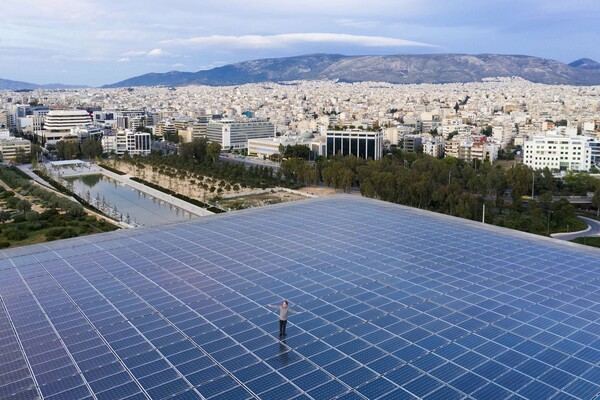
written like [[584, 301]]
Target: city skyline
[[78, 42]]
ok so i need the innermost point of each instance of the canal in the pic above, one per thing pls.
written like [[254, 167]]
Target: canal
[[124, 202]]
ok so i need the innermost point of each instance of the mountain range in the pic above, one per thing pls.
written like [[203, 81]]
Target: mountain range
[[6, 84], [408, 69]]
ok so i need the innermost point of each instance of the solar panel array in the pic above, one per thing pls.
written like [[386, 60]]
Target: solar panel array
[[395, 303]]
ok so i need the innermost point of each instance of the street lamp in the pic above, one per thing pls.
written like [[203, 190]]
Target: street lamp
[[449, 175], [532, 185], [549, 212]]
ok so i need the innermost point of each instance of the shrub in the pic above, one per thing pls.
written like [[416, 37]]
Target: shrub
[[19, 218], [68, 233], [13, 234], [54, 232], [4, 245]]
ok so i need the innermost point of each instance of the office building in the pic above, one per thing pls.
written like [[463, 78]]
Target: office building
[[270, 146], [125, 140], [60, 123], [559, 153], [234, 135], [9, 148], [361, 144]]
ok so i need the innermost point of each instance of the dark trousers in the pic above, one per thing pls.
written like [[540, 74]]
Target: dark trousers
[[282, 325]]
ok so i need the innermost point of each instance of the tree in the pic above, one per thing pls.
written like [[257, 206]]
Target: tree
[[596, 201], [22, 157], [67, 149], [451, 135], [4, 216], [91, 148], [23, 205], [36, 150], [213, 150], [519, 179], [298, 151], [194, 151], [487, 131]]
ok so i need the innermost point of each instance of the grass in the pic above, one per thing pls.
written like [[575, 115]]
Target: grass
[[256, 200], [588, 241], [52, 225]]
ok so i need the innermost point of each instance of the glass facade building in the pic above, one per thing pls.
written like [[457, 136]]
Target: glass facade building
[[367, 145]]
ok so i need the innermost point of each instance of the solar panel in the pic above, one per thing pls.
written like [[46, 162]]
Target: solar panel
[[395, 303]]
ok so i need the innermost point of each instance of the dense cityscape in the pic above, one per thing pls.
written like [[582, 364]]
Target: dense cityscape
[[466, 121]]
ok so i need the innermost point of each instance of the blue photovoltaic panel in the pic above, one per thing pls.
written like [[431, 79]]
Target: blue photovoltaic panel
[[396, 303]]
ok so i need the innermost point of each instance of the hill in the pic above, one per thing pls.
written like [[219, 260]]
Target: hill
[[6, 84], [409, 69]]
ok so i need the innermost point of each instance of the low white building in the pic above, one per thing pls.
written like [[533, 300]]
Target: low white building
[[268, 146], [134, 143], [232, 134], [11, 145], [558, 153]]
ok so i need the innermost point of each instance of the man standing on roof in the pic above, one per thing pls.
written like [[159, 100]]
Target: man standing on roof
[[284, 311]]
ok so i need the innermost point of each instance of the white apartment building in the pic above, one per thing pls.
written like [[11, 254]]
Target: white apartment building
[[471, 147], [134, 143], [461, 129], [559, 153], [60, 123], [434, 147], [231, 134]]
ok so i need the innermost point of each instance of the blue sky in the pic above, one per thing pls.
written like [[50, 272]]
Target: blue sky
[[105, 41]]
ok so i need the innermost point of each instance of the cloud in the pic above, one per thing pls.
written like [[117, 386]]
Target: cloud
[[124, 59], [135, 53], [143, 53], [290, 39], [178, 65], [157, 53]]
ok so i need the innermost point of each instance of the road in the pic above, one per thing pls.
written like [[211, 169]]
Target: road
[[593, 230]]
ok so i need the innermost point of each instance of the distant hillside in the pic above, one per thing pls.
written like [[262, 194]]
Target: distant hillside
[[585, 63], [6, 84], [427, 68]]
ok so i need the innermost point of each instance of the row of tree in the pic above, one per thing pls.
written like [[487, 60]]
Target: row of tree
[[71, 149], [200, 158], [455, 187], [26, 187]]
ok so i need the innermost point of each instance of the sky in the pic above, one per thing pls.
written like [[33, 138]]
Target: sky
[[96, 42]]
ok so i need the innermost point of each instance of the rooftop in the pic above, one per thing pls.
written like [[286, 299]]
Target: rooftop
[[396, 303]]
